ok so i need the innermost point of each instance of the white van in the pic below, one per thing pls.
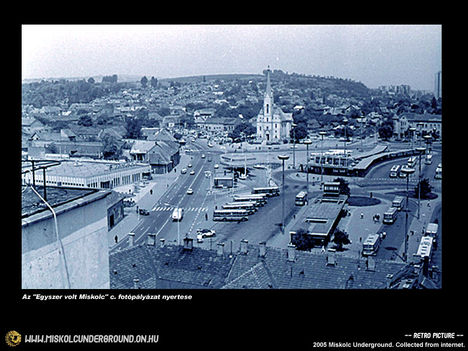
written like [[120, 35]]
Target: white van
[[177, 214]]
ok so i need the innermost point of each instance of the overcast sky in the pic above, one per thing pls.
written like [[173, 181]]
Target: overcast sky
[[372, 54]]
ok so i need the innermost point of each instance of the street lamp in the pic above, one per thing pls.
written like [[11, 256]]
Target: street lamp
[[345, 122], [420, 150], [283, 158], [322, 134], [420, 126], [407, 171], [294, 125], [428, 142], [307, 143], [412, 129]]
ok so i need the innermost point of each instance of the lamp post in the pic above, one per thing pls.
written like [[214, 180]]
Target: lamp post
[[283, 158], [294, 125], [322, 134], [412, 129], [420, 126], [428, 142], [420, 150], [307, 143], [407, 171]]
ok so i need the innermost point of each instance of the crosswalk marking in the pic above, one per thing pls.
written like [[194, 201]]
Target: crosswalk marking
[[171, 208]]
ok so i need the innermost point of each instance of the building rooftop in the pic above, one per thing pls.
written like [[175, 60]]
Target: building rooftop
[[31, 204], [173, 267]]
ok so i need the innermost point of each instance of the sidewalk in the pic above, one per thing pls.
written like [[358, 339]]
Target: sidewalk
[[143, 199]]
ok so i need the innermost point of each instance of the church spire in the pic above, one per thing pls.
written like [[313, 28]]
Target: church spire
[[268, 86]]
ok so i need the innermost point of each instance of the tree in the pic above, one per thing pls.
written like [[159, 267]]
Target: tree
[[110, 151], [302, 240], [144, 81], [133, 126], [340, 238], [85, 120], [91, 80], [344, 186], [299, 131], [386, 129], [425, 188]]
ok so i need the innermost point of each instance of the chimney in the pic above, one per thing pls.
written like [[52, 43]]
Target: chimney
[[151, 239], [262, 249], [243, 246], [131, 239], [291, 252], [188, 244], [162, 241], [331, 259], [370, 264], [220, 250], [135, 283]]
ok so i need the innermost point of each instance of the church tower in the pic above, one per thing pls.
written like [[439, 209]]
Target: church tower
[[268, 99]]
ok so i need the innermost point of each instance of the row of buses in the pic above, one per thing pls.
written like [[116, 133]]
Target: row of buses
[[428, 242], [395, 171], [244, 205]]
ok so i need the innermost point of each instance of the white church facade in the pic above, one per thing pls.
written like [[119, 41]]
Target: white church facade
[[273, 125]]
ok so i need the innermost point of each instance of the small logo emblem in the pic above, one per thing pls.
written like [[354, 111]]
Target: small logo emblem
[[13, 338]]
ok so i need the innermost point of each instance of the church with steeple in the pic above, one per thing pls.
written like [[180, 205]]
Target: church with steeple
[[273, 125]]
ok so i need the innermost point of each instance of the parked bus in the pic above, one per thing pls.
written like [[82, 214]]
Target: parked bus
[[371, 245], [301, 198], [398, 202], [269, 191], [394, 171], [411, 161], [259, 199], [438, 171], [425, 247], [230, 215], [249, 206], [428, 159], [431, 229], [390, 215], [177, 214]]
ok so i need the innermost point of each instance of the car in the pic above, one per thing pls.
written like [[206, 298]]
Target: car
[[189, 191], [216, 166], [189, 165], [192, 172], [205, 233], [203, 156], [143, 212], [183, 171]]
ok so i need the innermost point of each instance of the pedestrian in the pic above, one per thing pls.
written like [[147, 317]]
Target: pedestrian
[[151, 191], [116, 238], [206, 216], [362, 215], [371, 194]]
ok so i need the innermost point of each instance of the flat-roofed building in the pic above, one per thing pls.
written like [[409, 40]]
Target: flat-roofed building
[[90, 174], [64, 246]]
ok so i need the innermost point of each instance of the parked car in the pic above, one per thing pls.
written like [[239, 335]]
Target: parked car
[[183, 171], [205, 233], [192, 172], [143, 212]]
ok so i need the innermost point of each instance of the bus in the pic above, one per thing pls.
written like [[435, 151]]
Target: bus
[[411, 161], [269, 191], [394, 171], [390, 216], [258, 199], [398, 202], [371, 245], [301, 198], [428, 159], [177, 214], [431, 230], [230, 215], [425, 248], [248, 206], [438, 171]]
